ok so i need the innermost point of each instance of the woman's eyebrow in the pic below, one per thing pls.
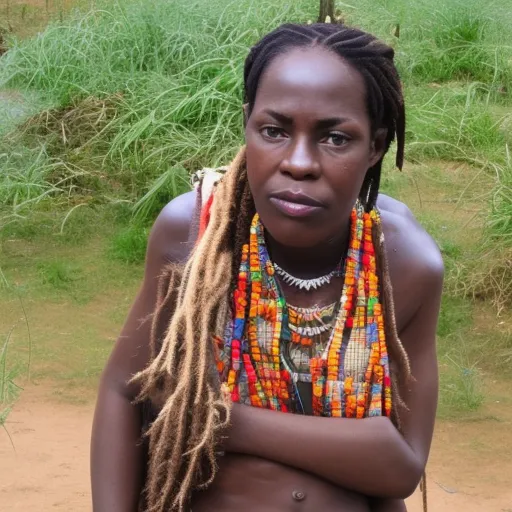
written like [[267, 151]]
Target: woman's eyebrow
[[281, 118], [320, 124], [329, 122]]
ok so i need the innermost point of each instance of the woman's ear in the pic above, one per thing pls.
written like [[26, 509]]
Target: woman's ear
[[378, 147], [245, 109]]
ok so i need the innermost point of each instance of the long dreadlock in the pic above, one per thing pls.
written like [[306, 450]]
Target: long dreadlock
[[181, 380]]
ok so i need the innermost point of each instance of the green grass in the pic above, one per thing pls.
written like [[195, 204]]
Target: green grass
[[129, 245], [164, 95], [455, 122], [500, 220], [28, 18], [460, 378], [8, 389], [162, 99], [473, 348], [58, 274], [76, 297], [443, 41]]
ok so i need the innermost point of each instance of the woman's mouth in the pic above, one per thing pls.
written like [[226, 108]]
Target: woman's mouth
[[296, 204]]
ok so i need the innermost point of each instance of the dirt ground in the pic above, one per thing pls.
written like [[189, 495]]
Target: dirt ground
[[470, 468]]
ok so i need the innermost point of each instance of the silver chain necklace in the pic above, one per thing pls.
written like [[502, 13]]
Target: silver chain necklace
[[306, 284]]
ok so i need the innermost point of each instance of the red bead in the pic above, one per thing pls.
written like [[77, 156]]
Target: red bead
[[368, 248]]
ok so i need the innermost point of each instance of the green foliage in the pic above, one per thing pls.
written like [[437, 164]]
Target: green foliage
[[170, 183], [9, 390], [460, 376], [454, 317], [23, 176], [164, 93], [460, 390], [129, 245], [500, 220], [443, 41], [16, 106], [58, 274], [453, 123]]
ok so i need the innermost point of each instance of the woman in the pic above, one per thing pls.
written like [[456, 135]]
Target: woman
[[282, 296]]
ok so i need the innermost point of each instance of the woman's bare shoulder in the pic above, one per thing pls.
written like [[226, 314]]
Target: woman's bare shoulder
[[169, 239], [406, 237]]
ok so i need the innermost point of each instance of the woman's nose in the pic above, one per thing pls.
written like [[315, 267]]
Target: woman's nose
[[301, 162]]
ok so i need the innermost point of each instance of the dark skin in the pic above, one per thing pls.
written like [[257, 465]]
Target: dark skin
[[320, 144]]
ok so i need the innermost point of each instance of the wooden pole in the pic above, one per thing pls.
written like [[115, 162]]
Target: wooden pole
[[326, 9]]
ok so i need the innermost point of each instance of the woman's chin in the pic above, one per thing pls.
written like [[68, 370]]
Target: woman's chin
[[296, 239]]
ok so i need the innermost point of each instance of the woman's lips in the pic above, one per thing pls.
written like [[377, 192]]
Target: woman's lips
[[294, 209]]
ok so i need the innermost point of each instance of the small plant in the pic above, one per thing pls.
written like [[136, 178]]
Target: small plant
[[460, 389], [58, 274], [9, 390], [129, 245], [487, 275]]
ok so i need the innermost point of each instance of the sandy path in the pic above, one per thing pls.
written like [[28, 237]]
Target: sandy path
[[50, 469]]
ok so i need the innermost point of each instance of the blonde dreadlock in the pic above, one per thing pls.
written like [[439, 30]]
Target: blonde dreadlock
[[180, 380]]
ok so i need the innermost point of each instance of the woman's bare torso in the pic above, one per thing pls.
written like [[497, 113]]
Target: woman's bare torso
[[251, 484]]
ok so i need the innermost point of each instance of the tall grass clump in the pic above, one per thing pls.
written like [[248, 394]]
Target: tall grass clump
[[455, 123], [488, 276], [500, 221], [141, 90], [9, 390], [443, 41]]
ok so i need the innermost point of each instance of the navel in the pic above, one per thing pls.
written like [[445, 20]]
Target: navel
[[298, 495]]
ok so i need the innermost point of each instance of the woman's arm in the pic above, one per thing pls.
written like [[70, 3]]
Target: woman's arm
[[117, 458], [367, 455]]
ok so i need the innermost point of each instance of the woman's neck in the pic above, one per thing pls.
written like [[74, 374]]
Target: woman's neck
[[308, 262]]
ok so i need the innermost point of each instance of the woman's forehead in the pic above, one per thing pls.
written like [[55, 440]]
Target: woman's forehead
[[312, 78]]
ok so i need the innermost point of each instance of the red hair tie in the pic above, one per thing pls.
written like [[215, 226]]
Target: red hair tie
[[204, 218]]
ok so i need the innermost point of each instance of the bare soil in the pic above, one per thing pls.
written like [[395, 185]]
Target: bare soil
[[470, 467]]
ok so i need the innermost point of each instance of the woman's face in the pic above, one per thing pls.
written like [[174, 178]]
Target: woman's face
[[309, 145]]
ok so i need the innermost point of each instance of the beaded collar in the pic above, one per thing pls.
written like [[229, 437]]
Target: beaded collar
[[350, 378]]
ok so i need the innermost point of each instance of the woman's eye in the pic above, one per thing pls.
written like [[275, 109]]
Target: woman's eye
[[336, 139], [272, 132]]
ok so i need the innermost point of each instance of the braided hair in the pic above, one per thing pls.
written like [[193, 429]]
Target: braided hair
[[194, 300]]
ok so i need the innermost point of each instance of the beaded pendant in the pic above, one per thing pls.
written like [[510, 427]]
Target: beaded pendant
[[350, 377]]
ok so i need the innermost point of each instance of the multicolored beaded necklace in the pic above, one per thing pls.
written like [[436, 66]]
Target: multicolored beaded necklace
[[349, 372]]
